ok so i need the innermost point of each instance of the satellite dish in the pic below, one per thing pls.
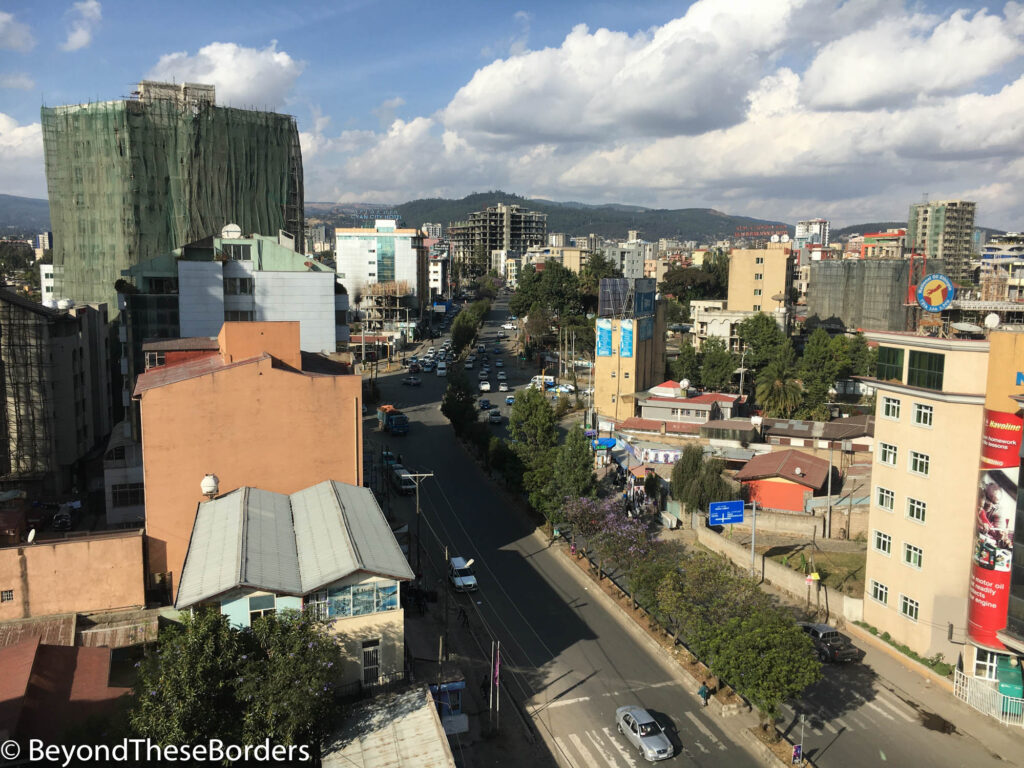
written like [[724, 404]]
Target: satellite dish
[[966, 327], [775, 238], [991, 320], [231, 232], [31, 535], [779, 297], [784, 239], [684, 384]]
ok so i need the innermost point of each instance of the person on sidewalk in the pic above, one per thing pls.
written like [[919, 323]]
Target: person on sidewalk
[[704, 693]]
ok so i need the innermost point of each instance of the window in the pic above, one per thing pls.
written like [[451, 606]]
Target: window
[[759, 260], [127, 495], [759, 276], [237, 251], [890, 364], [7, 596], [985, 664], [886, 499], [883, 542], [238, 286], [316, 605], [879, 592], [155, 359], [239, 316], [909, 608], [887, 454], [919, 463], [916, 510], [757, 291], [356, 600], [925, 369], [262, 605], [923, 414], [912, 555], [891, 407], [371, 661], [757, 307]]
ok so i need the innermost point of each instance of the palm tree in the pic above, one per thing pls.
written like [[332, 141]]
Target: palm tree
[[778, 390]]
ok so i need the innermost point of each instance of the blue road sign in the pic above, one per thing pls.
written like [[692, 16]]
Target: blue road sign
[[725, 512]]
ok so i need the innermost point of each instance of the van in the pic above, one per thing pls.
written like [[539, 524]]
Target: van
[[442, 369], [545, 382], [460, 575], [402, 480]]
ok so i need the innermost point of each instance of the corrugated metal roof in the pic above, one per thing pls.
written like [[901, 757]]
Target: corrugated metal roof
[[293, 544]]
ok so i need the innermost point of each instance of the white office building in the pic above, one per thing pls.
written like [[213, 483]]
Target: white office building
[[382, 255], [810, 232]]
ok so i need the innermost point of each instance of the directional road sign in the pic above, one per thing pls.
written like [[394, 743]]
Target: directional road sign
[[725, 512]]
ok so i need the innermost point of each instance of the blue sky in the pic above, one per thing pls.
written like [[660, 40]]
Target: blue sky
[[849, 109]]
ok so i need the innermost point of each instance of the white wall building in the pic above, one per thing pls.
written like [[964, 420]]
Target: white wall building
[[433, 231], [384, 254], [811, 231], [46, 281], [437, 276]]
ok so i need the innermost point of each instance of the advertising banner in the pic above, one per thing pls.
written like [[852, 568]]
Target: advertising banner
[[645, 328], [626, 338], [993, 538], [604, 337]]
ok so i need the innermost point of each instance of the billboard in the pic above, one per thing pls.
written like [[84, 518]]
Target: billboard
[[993, 528], [643, 297], [626, 338], [935, 292], [644, 328], [604, 337]]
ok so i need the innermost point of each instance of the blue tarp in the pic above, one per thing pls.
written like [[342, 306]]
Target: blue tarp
[[603, 443]]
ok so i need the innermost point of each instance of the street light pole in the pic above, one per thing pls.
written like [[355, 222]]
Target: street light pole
[[753, 537], [418, 478]]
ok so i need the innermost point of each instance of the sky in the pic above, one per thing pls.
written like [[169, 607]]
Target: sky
[[779, 109]]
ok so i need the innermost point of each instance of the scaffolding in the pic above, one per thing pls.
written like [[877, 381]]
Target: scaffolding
[[132, 179]]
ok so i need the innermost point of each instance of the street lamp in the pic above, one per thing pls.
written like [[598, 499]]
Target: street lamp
[[742, 370]]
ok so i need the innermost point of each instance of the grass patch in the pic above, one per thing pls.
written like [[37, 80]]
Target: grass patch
[[840, 571], [935, 663]]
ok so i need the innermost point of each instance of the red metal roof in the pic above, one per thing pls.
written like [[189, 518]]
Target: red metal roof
[[654, 425], [813, 471], [171, 374]]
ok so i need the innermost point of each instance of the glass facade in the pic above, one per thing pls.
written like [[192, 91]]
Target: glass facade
[[925, 370], [890, 364], [355, 600], [385, 259]]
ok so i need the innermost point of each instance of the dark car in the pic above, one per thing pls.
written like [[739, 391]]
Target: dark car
[[485, 404], [829, 644], [412, 381], [414, 368]]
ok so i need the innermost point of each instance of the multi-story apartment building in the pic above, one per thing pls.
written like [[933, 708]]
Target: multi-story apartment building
[[437, 276], [1002, 268], [386, 256], [628, 257], [891, 244], [943, 229], [254, 412], [757, 275], [630, 351], [432, 231], [498, 228], [557, 239], [812, 231], [55, 383], [114, 202], [46, 283]]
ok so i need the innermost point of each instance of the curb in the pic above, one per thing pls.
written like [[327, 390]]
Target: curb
[[918, 669]]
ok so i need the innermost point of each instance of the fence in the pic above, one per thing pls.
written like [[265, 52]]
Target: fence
[[986, 698]]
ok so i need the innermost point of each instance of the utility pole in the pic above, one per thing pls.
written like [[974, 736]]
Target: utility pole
[[828, 523], [445, 636], [753, 538], [418, 478]]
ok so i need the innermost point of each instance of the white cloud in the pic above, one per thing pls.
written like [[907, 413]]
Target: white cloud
[[891, 63], [14, 35], [514, 44], [18, 80], [82, 20], [244, 77], [386, 110], [21, 158]]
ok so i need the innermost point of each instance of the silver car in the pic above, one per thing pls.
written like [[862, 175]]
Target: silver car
[[643, 732]]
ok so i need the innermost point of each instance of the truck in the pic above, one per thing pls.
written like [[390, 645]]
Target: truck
[[390, 419]]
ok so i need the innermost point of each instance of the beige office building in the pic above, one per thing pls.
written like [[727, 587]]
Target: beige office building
[[758, 274], [929, 413], [631, 367]]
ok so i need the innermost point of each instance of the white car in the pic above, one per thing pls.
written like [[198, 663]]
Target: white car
[[502, 376], [509, 326], [485, 386], [503, 386], [482, 375], [468, 365]]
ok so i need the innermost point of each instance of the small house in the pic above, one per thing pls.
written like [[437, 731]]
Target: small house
[[784, 480]]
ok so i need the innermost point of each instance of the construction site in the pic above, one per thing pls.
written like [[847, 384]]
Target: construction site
[[134, 178]]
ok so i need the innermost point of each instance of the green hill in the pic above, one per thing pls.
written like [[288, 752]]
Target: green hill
[[23, 216]]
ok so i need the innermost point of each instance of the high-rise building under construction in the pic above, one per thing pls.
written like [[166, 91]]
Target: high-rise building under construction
[[135, 178]]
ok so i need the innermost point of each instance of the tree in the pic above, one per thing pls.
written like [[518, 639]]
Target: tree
[[457, 404], [597, 268], [716, 264], [573, 473], [288, 686], [538, 324], [531, 425], [686, 367], [779, 392], [463, 331], [646, 575], [527, 291], [686, 470], [718, 365], [688, 283], [185, 692], [762, 337], [817, 371]]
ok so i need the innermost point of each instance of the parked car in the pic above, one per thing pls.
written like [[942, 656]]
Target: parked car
[[412, 381], [829, 644], [494, 417], [643, 732], [460, 575], [485, 386]]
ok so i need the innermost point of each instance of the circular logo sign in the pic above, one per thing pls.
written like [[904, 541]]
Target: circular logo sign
[[935, 293]]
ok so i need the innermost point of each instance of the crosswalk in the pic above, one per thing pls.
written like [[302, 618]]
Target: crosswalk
[[864, 715], [599, 747]]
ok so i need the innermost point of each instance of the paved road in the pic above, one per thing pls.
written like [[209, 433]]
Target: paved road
[[566, 658]]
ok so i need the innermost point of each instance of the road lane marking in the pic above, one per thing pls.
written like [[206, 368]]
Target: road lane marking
[[702, 748], [706, 731], [895, 708], [621, 749], [582, 749], [830, 727], [538, 708], [843, 723], [881, 711], [601, 750], [563, 749]]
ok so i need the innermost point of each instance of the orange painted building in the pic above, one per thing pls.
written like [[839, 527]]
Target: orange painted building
[[251, 415], [784, 480]]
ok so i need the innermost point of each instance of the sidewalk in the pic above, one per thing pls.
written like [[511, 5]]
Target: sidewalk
[[925, 692]]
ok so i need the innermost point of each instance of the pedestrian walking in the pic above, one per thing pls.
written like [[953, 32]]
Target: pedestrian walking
[[704, 693]]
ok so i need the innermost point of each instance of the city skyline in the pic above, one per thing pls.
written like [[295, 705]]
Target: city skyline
[[785, 110]]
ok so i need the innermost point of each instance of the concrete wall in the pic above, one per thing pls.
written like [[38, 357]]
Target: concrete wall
[[304, 296], [97, 573], [777, 493], [254, 425], [200, 298], [236, 605], [387, 627]]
